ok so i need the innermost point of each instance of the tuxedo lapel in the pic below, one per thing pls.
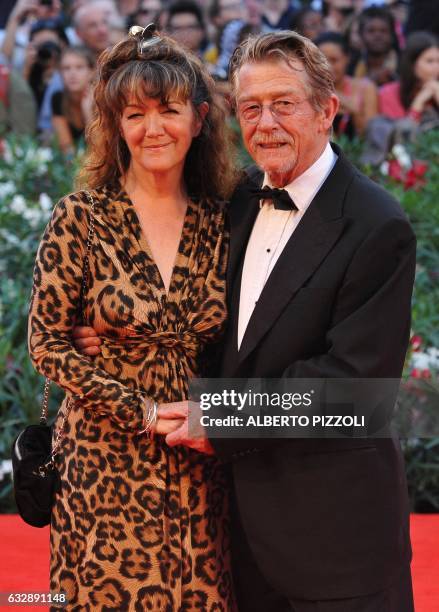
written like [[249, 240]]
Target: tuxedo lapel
[[316, 234]]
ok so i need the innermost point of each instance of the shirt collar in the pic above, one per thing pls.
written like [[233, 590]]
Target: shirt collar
[[303, 189]]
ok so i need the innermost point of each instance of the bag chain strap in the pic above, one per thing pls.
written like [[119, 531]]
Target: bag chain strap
[[45, 402]]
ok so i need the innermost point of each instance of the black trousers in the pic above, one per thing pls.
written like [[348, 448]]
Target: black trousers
[[255, 594]]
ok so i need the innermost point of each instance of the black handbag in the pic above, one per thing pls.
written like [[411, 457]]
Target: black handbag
[[35, 477]]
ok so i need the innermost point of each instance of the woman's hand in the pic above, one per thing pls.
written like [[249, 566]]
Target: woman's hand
[[86, 341], [429, 93]]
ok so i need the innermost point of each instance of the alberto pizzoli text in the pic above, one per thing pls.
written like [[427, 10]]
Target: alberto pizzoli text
[[283, 420]]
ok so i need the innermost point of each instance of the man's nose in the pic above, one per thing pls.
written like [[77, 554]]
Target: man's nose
[[267, 120]]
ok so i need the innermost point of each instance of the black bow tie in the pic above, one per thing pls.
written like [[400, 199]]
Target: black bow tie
[[281, 198]]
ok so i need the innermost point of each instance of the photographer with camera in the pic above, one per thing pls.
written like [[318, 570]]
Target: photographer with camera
[[46, 42], [17, 31]]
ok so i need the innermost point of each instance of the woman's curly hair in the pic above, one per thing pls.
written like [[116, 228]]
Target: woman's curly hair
[[161, 71]]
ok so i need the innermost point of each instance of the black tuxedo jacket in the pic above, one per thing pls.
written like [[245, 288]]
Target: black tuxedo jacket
[[325, 518]]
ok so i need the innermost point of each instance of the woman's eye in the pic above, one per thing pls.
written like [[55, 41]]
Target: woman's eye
[[133, 115], [170, 110]]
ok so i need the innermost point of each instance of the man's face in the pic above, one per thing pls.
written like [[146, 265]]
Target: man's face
[[94, 30], [377, 36], [276, 5], [283, 146], [186, 30], [230, 10], [147, 11]]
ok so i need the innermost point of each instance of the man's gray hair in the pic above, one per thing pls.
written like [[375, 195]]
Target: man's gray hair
[[288, 46]]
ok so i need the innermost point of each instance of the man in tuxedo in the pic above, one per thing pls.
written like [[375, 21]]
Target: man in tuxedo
[[319, 281]]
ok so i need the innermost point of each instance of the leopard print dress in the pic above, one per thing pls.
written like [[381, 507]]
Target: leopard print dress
[[136, 525]]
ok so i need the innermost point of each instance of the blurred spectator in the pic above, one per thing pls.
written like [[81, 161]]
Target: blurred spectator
[[336, 14], [399, 10], [46, 42], [307, 22], [221, 12], [74, 5], [18, 110], [185, 23], [358, 97], [277, 14], [126, 7], [423, 15], [254, 10], [92, 25], [16, 35], [236, 32], [72, 107], [380, 60], [228, 17], [354, 41], [416, 94], [146, 12]]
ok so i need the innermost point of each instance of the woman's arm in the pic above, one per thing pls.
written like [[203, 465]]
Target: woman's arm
[[63, 134], [54, 310]]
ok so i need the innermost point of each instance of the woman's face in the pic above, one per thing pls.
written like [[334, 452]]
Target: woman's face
[[336, 58], [158, 135], [76, 72], [427, 65]]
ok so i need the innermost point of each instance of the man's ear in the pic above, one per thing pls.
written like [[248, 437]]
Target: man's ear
[[202, 110], [328, 112]]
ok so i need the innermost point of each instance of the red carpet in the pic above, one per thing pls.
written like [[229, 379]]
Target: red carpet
[[24, 560]]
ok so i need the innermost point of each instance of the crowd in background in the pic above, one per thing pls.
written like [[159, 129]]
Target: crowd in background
[[384, 55]]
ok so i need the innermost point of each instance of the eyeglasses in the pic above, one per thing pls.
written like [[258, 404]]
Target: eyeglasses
[[251, 113]]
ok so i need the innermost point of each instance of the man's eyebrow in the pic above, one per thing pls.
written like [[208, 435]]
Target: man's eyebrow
[[279, 94]]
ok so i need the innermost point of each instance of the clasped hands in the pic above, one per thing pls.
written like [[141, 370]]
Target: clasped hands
[[172, 418]]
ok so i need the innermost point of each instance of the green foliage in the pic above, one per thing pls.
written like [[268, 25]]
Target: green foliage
[[32, 179], [422, 208]]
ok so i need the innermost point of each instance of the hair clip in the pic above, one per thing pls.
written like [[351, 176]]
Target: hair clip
[[145, 36]]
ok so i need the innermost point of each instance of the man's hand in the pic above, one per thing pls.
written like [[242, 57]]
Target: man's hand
[[163, 427], [86, 341], [196, 438]]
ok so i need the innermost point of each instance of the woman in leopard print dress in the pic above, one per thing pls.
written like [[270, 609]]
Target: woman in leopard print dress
[[138, 525]]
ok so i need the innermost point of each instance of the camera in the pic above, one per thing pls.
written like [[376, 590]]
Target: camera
[[47, 51]]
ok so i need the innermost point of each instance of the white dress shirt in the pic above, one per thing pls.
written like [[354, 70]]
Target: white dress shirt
[[272, 230]]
